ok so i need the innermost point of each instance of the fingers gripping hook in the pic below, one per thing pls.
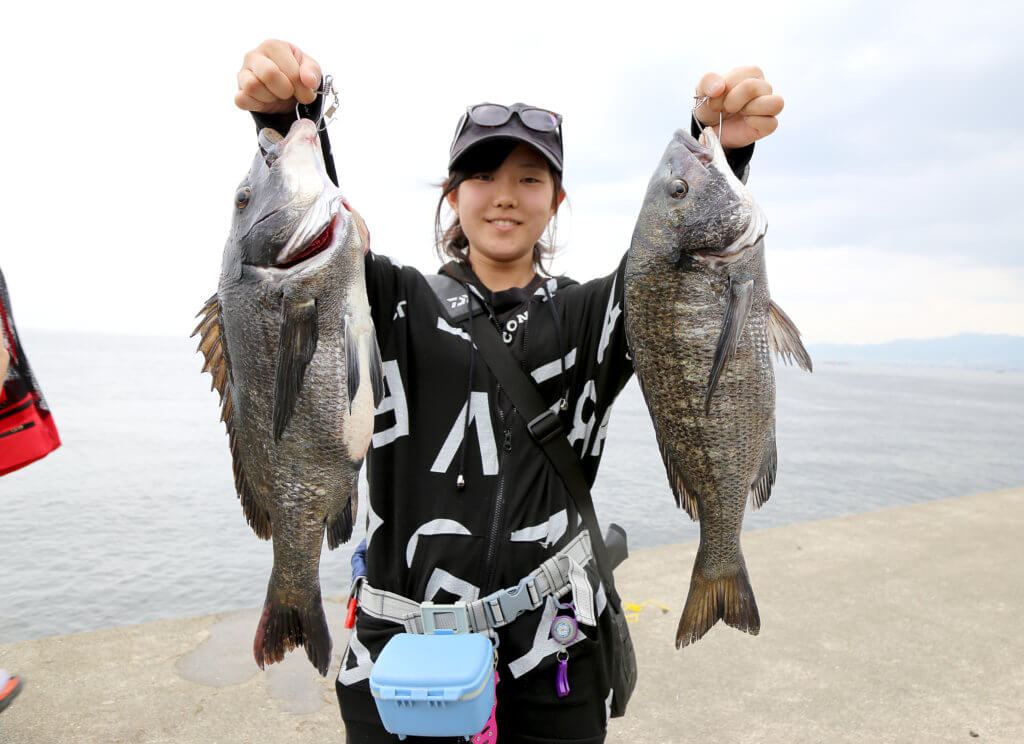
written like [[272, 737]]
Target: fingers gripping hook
[[327, 110], [700, 101]]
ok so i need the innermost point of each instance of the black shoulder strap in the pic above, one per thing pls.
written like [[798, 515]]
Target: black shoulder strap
[[542, 422], [546, 429]]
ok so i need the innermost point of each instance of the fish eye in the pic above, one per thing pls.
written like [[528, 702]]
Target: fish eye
[[242, 197], [678, 188]]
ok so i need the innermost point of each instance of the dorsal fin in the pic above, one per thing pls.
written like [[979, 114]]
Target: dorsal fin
[[684, 499], [211, 343]]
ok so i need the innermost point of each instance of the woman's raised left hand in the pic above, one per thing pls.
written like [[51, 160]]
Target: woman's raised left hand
[[745, 101]]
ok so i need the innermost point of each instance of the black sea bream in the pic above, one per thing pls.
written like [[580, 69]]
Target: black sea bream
[[291, 347], [700, 326]]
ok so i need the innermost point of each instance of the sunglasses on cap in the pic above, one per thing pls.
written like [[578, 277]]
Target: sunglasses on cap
[[496, 115], [486, 121]]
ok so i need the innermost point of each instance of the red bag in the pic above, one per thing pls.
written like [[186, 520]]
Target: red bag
[[27, 432]]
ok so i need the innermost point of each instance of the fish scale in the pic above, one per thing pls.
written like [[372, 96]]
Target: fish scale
[[699, 321], [290, 344]]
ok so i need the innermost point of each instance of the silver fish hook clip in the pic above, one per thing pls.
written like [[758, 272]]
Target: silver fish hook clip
[[700, 101], [327, 113], [327, 110]]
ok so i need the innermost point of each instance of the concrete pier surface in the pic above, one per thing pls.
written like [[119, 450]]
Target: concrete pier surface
[[899, 625]]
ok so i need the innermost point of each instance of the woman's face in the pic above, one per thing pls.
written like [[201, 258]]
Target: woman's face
[[505, 211]]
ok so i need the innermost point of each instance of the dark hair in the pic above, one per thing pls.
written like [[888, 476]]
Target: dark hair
[[451, 241]]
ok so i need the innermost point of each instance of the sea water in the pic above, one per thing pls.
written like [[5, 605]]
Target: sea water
[[135, 518]]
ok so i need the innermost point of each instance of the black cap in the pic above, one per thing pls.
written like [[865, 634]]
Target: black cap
[[470, 134]]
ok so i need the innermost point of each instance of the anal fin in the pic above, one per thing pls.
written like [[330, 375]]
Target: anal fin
[[339, 527], [736, 312], [257, 516], [761, 488]]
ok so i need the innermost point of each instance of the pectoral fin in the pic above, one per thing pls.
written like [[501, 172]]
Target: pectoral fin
[[298, 344], [736, 312], [355, 347], [784, 338]]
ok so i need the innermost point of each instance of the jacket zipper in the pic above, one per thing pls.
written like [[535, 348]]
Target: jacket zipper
[[498, 520]]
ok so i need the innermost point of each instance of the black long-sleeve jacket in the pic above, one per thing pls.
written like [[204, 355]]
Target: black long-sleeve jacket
[[427, 539]]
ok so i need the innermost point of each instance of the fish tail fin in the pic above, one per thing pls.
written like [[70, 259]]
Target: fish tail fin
[[283, 627], [728, 598]]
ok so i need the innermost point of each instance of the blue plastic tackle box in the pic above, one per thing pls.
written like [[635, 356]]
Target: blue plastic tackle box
[[434, 685]]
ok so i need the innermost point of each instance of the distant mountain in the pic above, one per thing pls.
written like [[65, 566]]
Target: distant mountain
[[966, 351]]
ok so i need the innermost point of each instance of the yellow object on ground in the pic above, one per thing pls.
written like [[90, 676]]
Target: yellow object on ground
[[633, 610]]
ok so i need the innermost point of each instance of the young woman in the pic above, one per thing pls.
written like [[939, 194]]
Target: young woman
[[463, 503]]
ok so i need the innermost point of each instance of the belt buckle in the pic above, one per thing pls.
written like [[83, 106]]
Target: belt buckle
[[431, 612], [511, 603]]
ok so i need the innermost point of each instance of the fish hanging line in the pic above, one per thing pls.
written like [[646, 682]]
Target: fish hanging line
[[326, 111], [700, 101]]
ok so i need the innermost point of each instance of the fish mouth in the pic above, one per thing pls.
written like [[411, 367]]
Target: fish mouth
[[756, 226], [715, 259], [315, 233], [702, 149], [750, 237], [317, 245]]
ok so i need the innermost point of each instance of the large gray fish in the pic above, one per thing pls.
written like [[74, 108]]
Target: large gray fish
[[700, 326], [291, 347]]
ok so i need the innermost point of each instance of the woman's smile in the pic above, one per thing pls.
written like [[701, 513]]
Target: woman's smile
[[504, 223]]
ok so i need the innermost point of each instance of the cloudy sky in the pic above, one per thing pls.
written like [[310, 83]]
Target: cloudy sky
[[892, 186]]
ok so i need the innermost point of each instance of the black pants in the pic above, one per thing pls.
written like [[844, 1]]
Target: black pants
[[529, 711]]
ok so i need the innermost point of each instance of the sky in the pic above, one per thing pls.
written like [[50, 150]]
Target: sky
[[892, 186]]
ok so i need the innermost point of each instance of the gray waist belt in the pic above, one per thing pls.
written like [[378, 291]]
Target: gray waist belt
[[555, 576]]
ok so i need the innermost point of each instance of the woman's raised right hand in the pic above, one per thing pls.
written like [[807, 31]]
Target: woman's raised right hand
[[274, 76]]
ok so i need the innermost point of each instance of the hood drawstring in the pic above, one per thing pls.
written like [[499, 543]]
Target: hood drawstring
[[563, 404], [460, 480]]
